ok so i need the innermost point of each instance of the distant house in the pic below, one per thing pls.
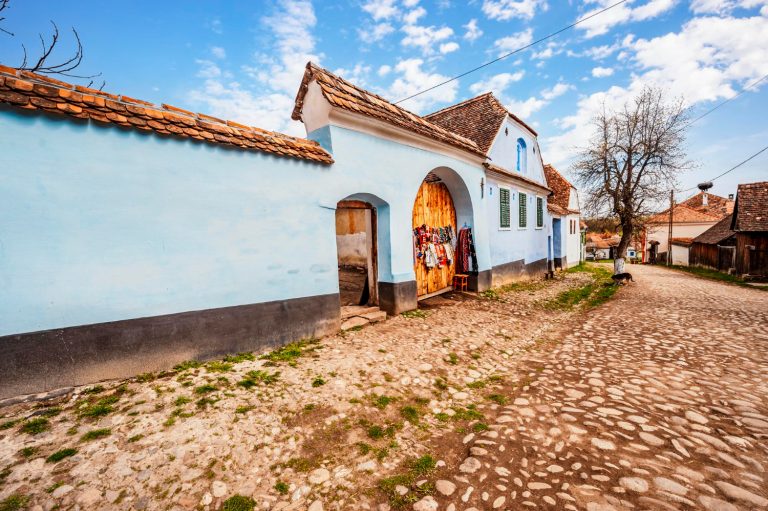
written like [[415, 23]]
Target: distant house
[[563, 206], [605, 246], [689, 219], [716, 247], [750, 223]]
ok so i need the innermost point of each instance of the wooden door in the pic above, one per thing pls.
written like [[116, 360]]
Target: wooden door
[[434, 208]]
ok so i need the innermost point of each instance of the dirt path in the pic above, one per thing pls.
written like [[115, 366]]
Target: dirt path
[[659, 400]]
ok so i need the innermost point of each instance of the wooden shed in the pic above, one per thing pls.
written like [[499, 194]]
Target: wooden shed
[[716, 247], [750, 223]]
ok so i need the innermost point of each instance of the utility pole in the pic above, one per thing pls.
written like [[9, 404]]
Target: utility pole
[[669, 236]]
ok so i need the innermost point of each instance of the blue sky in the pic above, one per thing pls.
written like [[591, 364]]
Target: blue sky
[[243, 60]]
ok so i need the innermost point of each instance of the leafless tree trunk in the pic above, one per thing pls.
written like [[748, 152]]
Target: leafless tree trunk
[[44, 63], [633, 159]]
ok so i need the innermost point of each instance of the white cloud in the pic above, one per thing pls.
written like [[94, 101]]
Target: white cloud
[[523, 109], [601, 72], [726, 6], [410, 3], [381, 9], [425, 38], [375, 33], [497, 84], [412, 79], [707, 60], [473, 31], [267, 99], [384, 70], [357, 75], [624, 13], [555, 92], [503, 10], [551, 49], [411, 17], [448, 47], [513, 42], [218, 52]]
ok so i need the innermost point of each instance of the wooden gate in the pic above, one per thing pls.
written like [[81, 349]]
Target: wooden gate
[[434, 208]]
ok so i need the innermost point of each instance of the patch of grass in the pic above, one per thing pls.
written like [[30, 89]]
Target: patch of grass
[[453, 358], [14, 503], [416, 468], [381, 402], [240, 357], [187, 364], [50, 412], [376, 432], [491, 294], [28, 452], [60, 455], [477, 384], [101, 407], [410, 413], [181, 401], [469, 413], [145, 377], [218, 367], [53, 487], [96, 389], [35, 426], [244, 409], [318, 382], [9, 424], [206, 389], [363, 448], [203, 402], [479, 427], [281, 488], [498, 399], [254, 378], [440, 384], [301, 464], [95, 434], [239, 503], [415, 314], [707, 273], [290, 352], [135, 438]]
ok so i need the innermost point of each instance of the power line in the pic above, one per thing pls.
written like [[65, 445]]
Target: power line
[[745, 89], [518, 50], [734, 167]]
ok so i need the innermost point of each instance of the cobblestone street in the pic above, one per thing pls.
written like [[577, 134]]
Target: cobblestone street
[[659, 400], [516, 399]]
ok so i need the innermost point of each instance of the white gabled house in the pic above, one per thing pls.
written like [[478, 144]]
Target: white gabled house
[[515, 185], [567, 236]]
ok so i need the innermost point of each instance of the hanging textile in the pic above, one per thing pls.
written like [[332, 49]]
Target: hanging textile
[[466, 259], [434, 246]]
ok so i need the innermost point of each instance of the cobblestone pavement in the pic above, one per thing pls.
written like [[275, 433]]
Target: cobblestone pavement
[[658, 400]]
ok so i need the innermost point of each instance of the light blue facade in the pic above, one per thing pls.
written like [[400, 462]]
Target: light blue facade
[[101, 224]]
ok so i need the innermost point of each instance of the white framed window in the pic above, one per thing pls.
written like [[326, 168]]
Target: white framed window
[[505, 210], [539, 212], [522, 210]]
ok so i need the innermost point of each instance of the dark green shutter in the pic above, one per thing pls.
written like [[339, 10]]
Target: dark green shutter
[[504, 212], [539, 212], [523, 209]]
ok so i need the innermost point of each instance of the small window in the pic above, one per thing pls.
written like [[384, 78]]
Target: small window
[[539, 212], [522, 156], [523, 209], [504, 210]]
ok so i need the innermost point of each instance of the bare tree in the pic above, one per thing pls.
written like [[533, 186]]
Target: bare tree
[[44, 63], [633, 159]]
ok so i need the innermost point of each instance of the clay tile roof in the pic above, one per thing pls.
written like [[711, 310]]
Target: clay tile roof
[[682, 214], [717, 233], [682, 241], [751, 211], [716, 205], [560, 186], [478, 119], [342, 94], [31, 91], [557, 210]]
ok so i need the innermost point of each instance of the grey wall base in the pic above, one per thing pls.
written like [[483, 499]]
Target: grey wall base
[[397, 297], [40, 361], [479, 282], [516, 270]]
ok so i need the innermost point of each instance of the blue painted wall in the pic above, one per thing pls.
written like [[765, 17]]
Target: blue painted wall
[[98, 223]]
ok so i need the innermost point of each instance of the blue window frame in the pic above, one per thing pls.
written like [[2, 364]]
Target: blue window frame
[[522, 155]]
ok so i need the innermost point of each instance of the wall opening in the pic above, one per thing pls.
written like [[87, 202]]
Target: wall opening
[[356, 248]]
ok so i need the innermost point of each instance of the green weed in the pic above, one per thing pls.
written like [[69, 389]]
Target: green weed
[[35, 426], [95, 434], [239, 503], [415, 314], [60, 455]]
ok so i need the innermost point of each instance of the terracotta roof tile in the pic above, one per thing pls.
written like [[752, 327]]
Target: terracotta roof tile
[[716, 205], [478, 119], [560, 186], [682, 214], [36, 92], [717, 233], [344, 95], [751, 211], [554, 208]]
